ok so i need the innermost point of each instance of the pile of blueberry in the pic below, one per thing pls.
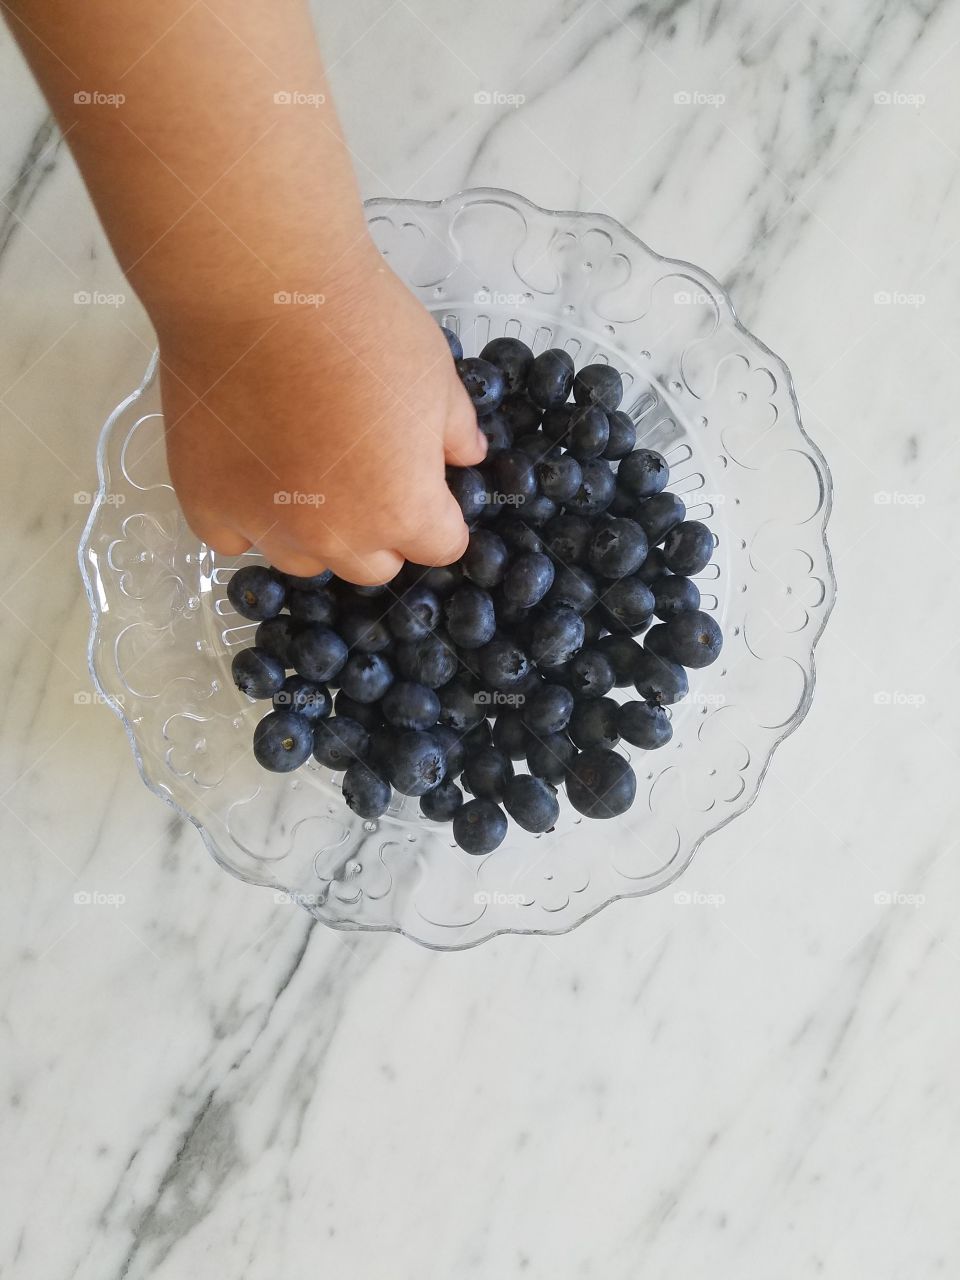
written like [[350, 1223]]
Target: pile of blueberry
[[456, 673]]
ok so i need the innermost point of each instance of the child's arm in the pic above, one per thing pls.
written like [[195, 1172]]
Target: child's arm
[[217, 196]]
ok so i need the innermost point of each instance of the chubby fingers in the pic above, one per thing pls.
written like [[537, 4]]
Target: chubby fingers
[[464, 444]]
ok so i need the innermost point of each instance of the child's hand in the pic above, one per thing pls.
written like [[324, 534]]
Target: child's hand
[[319, 434]]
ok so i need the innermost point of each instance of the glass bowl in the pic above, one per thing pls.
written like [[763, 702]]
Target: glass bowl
[[701, 389]]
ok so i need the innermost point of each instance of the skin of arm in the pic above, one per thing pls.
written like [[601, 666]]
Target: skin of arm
[[206, 136]]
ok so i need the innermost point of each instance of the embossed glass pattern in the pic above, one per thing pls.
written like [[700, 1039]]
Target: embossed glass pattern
[[702, 389]]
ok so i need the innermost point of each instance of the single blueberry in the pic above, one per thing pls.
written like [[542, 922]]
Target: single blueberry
[[339, 740], [559, 478], [622, 436], [453, 342], [479, 827], [555, 635], [588, 432], [674, 595], [693, 639], [366, 676], [513, 358], [521, 414], [319, 605], [653, 567], [366, 713], [574, 587], [318, 653], [688, 547], [415, 614], [365, 791], [470, 615], [518, 535], [256, 593], [551, 756], [658, 679], [596, 488], [567, 537], [645, 724], [417, 763], [627, 605], [485, 560], [617, 548], [598, 384], [601, 784], [312, 701], [550, 378], [548, 709], [643, 473], [487, 772], [622, 654], [528, 579], [590, 674], [470, 490], [439, 578], [532, 803], [442, 804], [365, 629], [483, 382], [275, 636], [257, 673], [556, 423], [460, 709], [410, 706], [659, 514], [497, 430], [430, 661], [510, 734], [514, 477], [453, 748], [503, 665], [594, 723], [282, 741]]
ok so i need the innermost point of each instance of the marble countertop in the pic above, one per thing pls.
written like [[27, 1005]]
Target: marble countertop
[[197, 1080]]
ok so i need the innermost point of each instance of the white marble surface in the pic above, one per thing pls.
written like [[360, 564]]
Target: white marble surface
[[196, 1081]]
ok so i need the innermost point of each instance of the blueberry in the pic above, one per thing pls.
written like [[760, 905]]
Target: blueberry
[[453, 748], [415, 614], [528, 579], [627, 605], [487, 773], [518, 535], [645, 724], [417, 763], [674, 595], [430, 661], [593, 627], [659, 514], [658, 679], [470, 490], [410, 706], [594, 722], [598, 384], [312, 701], [460, 709], [538, 510], [548, 709], [365, 713], [590, 674], [514, 477], [339, 740], [622, 503], [550, 378], [588, 432], [510, 734], [257, 673], [643, 473], [574, 587], [556, 423], [256, 593], [442, 804], [617, 548], [480, 827], [471, 619], [555, 635], [282, 741], [442, 579], [275, 636], [622, 653], [382, 747], [318, 653], [366, 676], [532, 803], [622, 435], [692, 639], [567, 537], [596, 488], [497, 431], [513, 358], [479, 738], [688, 547], [521, 414], [653, 567], [453, 342], [365, 630], [559, 478], [550, 757], [319, 605], [485, 559], [483, 382], [503, 665], [601, 784], [366, 792]]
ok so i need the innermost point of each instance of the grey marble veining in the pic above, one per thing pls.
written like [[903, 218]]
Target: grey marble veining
[[194, 1078]]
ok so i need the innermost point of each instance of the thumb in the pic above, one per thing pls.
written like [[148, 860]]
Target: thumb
[[464, 444]]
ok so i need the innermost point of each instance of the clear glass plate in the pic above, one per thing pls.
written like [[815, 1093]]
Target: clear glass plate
[[702, 390]]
